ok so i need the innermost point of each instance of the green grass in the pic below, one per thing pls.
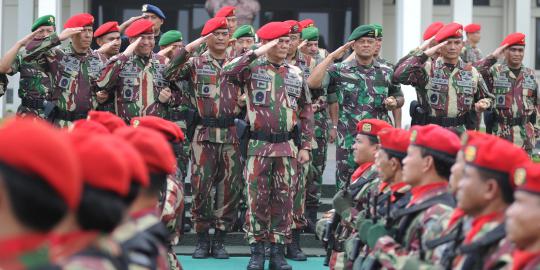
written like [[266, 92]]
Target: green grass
[[240, 263]]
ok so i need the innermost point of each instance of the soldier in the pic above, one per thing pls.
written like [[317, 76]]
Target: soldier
[[170, 43], [34, 197], [322, 53], [35, 83], [278, 100], [74, 69], [470, 52], [108, 39], [215, 154], [522, 218], [357, 89], [246, 10], [244, 39], [454, 90], [149, 12], [228, 12], [516, 93], [136, 76], [426, 169]]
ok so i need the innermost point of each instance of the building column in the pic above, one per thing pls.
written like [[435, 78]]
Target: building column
[[462, 11], [52, 7], [523, 23], [373, 11]]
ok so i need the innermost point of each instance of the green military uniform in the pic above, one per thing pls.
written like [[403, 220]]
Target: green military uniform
[[470, 54]]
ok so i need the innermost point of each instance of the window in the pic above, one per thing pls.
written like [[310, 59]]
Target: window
[[481, 2], [441, 2]]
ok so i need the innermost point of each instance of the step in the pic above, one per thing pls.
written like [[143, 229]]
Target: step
[[244, 251]]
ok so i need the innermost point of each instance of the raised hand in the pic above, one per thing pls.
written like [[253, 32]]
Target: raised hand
[[69, 32], [264, 48], [431, 51], [131, 48], [191, 47]]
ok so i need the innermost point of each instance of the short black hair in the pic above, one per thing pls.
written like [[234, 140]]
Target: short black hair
[[158, 185], [34, 203], [100, 210], [394, 154], [443, 162], [503, 181]]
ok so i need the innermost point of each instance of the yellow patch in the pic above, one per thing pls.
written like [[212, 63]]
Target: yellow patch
[[51, 19], [144, 8], [459, 32], [520, 176], [135, 123], [414, 133], [464, 138], [470, 153], [366, 128]]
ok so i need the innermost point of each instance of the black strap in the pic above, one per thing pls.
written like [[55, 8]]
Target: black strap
[[513, 121], [70, 116], [33, 103], [444, 198], [221, 122], [488, 239], [449, 237], [271, 137], [447, 121]]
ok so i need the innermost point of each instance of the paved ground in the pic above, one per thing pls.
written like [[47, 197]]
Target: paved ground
[[238, 263]]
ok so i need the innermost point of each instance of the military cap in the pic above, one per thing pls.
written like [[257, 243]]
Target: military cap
[[366, 30], [436, 138], [378, 30], [153, 9], [432, 30], [170, 130], [169, 37], [470, 136], [153, 147], [109, 120], [34, 147], [371, 127], [306, 23], [310, 33], [103, 167], [226, 11], [394, 140], [214, 24], [514, 39], [244, 31], [451, 30], [79, 20], [141, 26], [47, 20], [137, 167], [526, 177], [273, 30], [472, 28], [295, 26], [108, 27], [86, 127]]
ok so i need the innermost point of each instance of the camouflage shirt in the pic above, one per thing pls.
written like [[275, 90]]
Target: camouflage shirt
[[277, 98], [3, 84], [24, 252], [470, 54]]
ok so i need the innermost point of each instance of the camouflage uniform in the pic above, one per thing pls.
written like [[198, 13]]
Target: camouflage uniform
[[215, 154], [516, 100], [73, 76], [277, 98], [450, 94], [137, 81], [24, 252], [360, 92], [3, 84], [172, 208], [470, 54]]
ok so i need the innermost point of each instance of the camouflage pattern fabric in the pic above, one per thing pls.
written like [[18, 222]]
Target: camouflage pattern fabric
[[24, 252], [470, 54]]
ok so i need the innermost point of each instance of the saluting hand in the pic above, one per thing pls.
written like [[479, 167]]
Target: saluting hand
[[27, 38], [265, 47], [165, 51], [431, 51], [426, 43], [302, 44], [131, 48], [338, 54], [69, 32], [497, 53], [191, 47], [107, 46]]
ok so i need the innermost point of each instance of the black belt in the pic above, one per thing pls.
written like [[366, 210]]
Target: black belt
[[33, 103], [447, 121], [178, 116], [271, 137], [513, 121], [222, 122], [70, 116]]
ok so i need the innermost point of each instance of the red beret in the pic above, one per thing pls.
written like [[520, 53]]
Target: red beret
[[470, 136], [526, 177], [295, 26], [451, 30], [86, 127], [306, 23], [395, 139], [473, 27], [495, 154], [153, 147], [433, 29], [103, 166], [109, 120], [141, 26], [34, 147], [273, 30], [137, 167], [226, 11], [214, 24], [435, 138], [108, 27], [371, 127], [514, 39], [79, 20], [171, 130]]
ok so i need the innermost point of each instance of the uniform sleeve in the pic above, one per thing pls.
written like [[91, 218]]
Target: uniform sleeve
[[238, 68], [537, 111], [483, 91], [38, 48], [177, 68], [394, 88], [111, 73], [306, 117], [484, 67], [329, 83], [16, 65], [412, 71]]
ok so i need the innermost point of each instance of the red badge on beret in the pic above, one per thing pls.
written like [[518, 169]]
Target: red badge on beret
[[79, 20], [137, 167], [109, 120], [86, 127], [306, 23], [371, 127], [34, 147], [526, 177], [495, 154], [273, 30], [395, 139], [451, 30], [295, 26], [214, 24], [108, 27], [226, 11], [153, 147], [436, 138], [472, 28], [141, 26], [171, 130], [103, 166], [433, 29], [514, 39]]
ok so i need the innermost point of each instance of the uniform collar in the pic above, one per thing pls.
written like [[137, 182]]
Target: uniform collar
[[521, 258], [421, 193], [360, 170], [18, 245], [479, 222], [354, 64], [439, 63]]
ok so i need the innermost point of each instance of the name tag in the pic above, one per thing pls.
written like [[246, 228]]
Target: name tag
[[464, 83], [439, 81], [502, 83]]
